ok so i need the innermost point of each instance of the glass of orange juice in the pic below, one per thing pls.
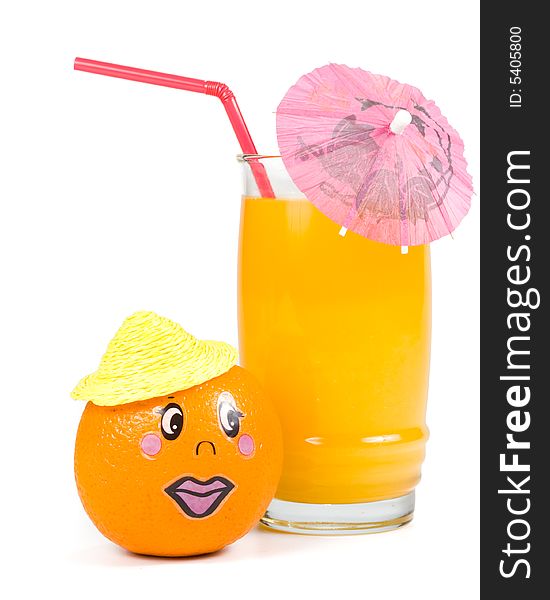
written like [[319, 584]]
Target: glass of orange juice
[[337, 330]]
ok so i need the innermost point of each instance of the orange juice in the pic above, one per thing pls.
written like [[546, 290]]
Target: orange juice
[[337, 329]]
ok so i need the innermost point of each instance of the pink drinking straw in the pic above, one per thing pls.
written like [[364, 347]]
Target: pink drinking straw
[[210, 88]]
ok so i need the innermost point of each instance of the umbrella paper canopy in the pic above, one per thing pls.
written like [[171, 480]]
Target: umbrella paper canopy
[[374, 155]]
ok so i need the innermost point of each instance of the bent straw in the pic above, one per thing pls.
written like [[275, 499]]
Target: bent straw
[[210, 88]]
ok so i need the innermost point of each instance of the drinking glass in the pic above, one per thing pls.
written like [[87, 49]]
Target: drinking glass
[[337, 330]]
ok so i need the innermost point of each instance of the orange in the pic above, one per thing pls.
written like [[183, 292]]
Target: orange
[[181, 474]]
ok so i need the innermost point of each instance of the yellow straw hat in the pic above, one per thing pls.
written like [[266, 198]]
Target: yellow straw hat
[[152, 356]]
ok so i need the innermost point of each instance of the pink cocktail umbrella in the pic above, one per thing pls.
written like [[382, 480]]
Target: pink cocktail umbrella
[[374, 155]]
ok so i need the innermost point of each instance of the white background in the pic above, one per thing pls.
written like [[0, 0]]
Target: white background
[[117, 196]]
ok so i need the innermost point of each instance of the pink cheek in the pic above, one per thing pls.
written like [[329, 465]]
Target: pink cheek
[[150, 444], [246, 445]]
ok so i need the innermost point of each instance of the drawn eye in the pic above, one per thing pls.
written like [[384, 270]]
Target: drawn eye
[[171, 423], [228, 415]]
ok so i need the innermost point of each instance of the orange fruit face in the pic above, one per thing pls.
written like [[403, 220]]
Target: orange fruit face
[[182, 474]]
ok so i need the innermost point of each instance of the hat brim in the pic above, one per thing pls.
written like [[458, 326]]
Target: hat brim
[[216, 358]]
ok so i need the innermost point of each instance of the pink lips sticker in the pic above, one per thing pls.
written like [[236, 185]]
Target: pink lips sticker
[[199, 499]]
